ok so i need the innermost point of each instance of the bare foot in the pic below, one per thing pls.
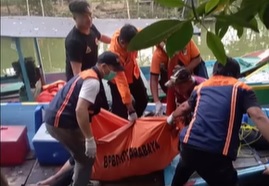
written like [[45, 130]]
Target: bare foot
[[46, 182]]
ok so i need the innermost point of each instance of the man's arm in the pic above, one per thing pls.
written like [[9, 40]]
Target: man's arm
[[260, 120], [195, 56], [83, 117], [105, 39], [154, 82], [76, 67], [184, 108], [254, 111], [158, 58], [100, 37], [194, 63], [87, 96], [124, 90]]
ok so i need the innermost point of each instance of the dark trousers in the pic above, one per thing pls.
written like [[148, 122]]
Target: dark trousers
[[216, 170], [74, 141], [139, 93]]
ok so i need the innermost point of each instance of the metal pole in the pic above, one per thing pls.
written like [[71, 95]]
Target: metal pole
[[23, 70], [37, 48]]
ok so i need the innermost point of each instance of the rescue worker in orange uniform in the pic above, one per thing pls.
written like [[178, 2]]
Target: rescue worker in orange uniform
[[158, 76], [189, 58], [129, 83]]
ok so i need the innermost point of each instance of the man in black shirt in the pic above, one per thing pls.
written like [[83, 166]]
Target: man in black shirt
[[81, 44]]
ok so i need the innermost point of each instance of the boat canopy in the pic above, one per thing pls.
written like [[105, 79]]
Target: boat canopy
[[58, 27]]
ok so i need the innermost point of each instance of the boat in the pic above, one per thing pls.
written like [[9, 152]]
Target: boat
[[35, 27], [248, 62], [249, 174], [259, 81], [30, 113]]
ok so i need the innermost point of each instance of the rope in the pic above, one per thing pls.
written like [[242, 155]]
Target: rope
[[245, 131]]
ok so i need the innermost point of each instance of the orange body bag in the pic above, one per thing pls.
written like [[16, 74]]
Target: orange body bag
[[125, 150]]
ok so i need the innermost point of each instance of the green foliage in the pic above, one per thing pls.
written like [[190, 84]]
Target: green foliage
[[176, 42], [233, 20], [264, 15], [221, 28], [210, 5], [214, 43], [155, 33], [171, 3], [178, 33]]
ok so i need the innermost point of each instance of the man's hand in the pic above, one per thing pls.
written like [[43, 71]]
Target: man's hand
[[90, 147], [132, 117], [130, 108], [266, 172], [158, 108]]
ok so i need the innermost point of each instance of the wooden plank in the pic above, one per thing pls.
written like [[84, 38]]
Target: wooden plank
[[153, 179], [18, 175], [245, 162], [39, 173]]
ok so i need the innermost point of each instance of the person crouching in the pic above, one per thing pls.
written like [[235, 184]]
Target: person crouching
[[68, 115]]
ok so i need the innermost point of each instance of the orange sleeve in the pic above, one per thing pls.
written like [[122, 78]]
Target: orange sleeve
[[194, 50], [156, 62], [123, 87], [171, 101], [170, 96]]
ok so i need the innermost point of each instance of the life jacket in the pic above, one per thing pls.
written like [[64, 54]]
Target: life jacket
[[49, 91], [61, 110]]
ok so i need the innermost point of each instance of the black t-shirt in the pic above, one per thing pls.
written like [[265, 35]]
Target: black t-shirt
[[81, 48]]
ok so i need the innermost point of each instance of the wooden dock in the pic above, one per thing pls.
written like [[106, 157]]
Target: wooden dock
[[29, 173]]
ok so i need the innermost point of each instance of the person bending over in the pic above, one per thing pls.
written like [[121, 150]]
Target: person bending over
[[209, 144]]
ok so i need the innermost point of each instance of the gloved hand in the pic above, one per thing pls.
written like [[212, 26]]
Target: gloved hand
[[158, 108], [132, 117], [170, 119], [90, 147]]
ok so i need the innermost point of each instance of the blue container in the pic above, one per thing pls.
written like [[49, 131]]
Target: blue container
[[48, 150]]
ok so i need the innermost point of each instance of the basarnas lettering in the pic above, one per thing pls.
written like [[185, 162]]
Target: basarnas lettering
[[131, 153]]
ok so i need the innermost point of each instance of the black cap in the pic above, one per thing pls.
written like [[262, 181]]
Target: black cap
[[112, 59], [231, 68]]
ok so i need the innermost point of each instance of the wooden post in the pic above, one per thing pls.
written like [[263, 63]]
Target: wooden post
[[128, 9], [8, 9], [138, 8], [152, 8], [27, 7], [42, 8]]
